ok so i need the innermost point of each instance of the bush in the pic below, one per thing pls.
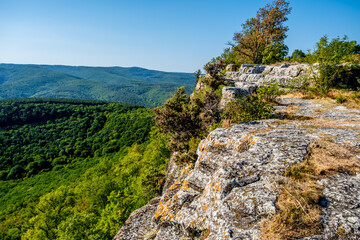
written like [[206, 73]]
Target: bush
[[187, 119], [247, 109], [213, 83], [340, 99], [197, 75], [179, 118], [335, 51], [324, 76], [269, 93], [214, 68], [297, 56], [337, 76], [275, 53]]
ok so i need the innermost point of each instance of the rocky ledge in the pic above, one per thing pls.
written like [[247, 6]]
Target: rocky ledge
[[231, 190], [249, 77]]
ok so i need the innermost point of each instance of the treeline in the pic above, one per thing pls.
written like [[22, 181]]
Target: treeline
[[57, 100]]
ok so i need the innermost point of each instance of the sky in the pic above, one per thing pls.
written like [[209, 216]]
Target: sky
[[166, 35]]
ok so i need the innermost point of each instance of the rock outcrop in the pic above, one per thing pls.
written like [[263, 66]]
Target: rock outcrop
[[249, 77], [231, 190]]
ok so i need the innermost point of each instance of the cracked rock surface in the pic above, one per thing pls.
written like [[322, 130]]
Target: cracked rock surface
[[230, 190]]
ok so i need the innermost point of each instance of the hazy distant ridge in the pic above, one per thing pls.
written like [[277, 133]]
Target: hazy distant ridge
[[130, 85]]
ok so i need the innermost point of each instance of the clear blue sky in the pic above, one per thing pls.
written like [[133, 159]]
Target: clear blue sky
[[166, 35]]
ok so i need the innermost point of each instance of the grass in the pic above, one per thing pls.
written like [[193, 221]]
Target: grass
[[298, 211], [347, 98], [298, 204]]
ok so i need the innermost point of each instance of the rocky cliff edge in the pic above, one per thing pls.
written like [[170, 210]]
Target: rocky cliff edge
[[233, 190]]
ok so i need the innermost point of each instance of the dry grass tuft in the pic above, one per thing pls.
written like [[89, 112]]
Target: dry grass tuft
[[298, 209], [298, 205], [296, 94], [329, 158], [226, 123], [352, 98]]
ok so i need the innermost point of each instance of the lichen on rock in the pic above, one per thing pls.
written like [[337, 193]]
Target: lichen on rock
[[231, 189]]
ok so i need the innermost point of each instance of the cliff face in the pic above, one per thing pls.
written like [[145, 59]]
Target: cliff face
[[233, 189]]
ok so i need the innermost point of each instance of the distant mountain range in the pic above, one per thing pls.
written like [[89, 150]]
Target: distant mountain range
[[129, 85]]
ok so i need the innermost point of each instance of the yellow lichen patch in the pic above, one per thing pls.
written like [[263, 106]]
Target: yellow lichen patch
[[216, 187], [206, 207], [219, 145], [185, 186], [175, 186], [157, 215]]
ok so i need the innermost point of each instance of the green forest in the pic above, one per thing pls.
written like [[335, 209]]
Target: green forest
[[132, 85], [75, 169]]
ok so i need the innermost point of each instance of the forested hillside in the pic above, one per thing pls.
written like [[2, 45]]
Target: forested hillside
[[75, 168], [130, 85]]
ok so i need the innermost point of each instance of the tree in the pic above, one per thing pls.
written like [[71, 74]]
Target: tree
[[180, 118], [298, 56], [275, 53], [263, 32], [51, 210], [186, 119], [335, 51]]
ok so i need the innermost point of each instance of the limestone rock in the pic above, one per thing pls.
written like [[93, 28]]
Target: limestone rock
[[259, 74], [139, 224], [231, 67], [230, 189], [229, 93]]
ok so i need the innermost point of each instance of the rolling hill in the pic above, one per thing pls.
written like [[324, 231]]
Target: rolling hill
[[129, 85]]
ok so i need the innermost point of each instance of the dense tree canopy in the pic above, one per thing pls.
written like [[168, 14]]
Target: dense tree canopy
[[75, 169]]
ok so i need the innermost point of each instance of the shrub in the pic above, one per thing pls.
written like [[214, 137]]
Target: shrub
[[338, 50], [340, 99], [297, 56], [214, 68], [337, 76], [213, 83], [269, 93], [187, 119], [247, 109], [229, 56], [197, 75], [275, 53], [179, 118], [325, 76]]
